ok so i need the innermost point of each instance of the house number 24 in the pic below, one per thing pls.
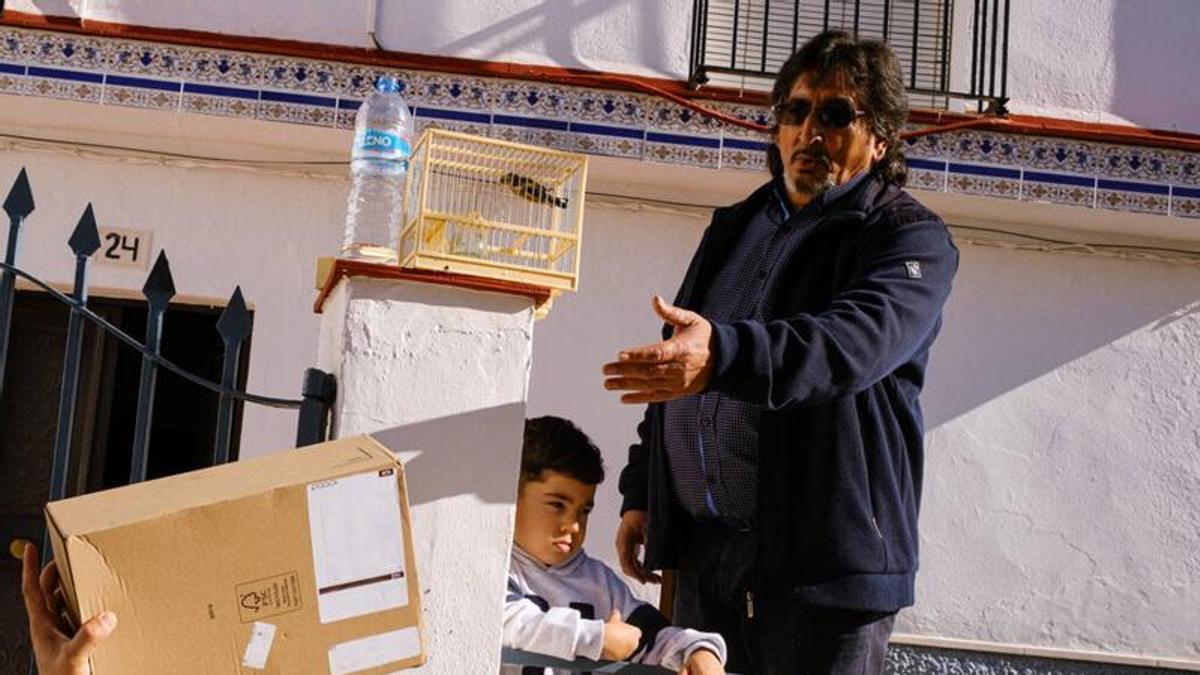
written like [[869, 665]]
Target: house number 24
[[125, 247]]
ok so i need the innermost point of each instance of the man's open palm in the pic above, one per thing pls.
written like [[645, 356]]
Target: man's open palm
[[667, 370]]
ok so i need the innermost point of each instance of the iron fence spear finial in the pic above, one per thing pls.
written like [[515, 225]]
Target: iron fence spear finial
[[18, 205], [84, 241], [159, 289], [234, 327]]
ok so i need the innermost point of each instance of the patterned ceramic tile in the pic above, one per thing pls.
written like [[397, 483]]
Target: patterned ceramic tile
[[610, 107], [531, 99], [225, 106], [1058, 189], [975, 146], [623, 124], [1143, 164], [346, 111], [139, 93], [69, 51], [358, 82], [277, 107], [1185, 203], [1057, 154], [742, 159], [1118, 200], [931, 145], [759, 115], [673, 118], [676, 149], [300, 75], [73, 85], [558, 138], [1184, 167], [984, 181], [14, 45], [454, 91], [926, 174], [12, 79], [921, 179], [628, 146], [465, 126], [147, 58], [221, 67]]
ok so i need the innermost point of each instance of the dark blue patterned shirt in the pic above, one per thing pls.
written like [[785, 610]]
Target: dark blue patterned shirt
[[712, 440]]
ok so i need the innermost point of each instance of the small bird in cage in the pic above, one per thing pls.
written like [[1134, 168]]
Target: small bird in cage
[[528, 188]]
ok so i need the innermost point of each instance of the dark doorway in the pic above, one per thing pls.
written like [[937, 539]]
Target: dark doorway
[[183, 427]]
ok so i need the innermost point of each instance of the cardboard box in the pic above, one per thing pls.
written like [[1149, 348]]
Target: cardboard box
[[298, 562]]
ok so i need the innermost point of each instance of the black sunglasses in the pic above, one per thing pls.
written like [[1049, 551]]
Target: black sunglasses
[[834, 113]]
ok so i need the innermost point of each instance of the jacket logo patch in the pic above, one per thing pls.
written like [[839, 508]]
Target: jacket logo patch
[[914, 269]]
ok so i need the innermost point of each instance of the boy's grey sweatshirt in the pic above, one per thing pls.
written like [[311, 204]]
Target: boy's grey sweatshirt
[[560, 611]]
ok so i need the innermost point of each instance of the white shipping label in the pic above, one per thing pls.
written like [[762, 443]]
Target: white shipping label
[[374, 651], [259, 646], [357, 544]]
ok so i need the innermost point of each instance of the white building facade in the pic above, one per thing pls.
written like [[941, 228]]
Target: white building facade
[[1061, 515]]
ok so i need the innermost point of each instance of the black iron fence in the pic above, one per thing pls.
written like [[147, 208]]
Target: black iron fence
[[944, 58], [234, 327]]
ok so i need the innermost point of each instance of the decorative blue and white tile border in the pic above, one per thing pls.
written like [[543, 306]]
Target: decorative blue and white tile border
[[197, 80]]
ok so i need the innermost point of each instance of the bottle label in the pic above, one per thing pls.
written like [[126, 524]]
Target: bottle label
[[384, 143]]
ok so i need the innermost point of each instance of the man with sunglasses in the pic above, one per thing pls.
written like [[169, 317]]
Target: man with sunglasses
[[779, 462]]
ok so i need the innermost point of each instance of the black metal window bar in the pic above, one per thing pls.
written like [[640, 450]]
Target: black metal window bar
[[951, 51], [233, 326]]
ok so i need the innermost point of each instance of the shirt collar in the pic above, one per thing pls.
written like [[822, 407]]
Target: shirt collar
[[826, 198], [523, 555]]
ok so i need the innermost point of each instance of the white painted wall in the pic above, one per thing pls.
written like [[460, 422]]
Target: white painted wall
[[440, 376], [1060, 502], [1062, 402], [1118, 61]]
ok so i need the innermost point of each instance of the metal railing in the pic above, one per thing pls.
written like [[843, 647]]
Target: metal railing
[[537, 662], [234, 327], [743, 43]]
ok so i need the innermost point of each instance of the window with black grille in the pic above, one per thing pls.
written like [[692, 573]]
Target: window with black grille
[[742, 43]]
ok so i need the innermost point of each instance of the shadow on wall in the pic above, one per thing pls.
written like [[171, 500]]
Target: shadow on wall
[[1014, 317], [552, 28], [54, 7], [1155, 52], [454, 455]]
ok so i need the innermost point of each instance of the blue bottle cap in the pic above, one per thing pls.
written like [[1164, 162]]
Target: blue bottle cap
[[387, 84]]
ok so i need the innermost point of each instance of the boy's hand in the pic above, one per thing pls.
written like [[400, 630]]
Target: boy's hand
[[702, 662], [620, 638], [55, 652]]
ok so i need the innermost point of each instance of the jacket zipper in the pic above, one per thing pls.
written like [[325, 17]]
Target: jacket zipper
[[749, 604]]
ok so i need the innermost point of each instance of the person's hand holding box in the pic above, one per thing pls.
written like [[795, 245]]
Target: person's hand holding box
[[55, 651]]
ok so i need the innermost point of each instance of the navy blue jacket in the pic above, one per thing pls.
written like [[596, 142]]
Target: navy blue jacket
[[837, 362]]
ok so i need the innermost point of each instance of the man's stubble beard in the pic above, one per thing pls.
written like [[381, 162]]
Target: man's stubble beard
[[812, 191]]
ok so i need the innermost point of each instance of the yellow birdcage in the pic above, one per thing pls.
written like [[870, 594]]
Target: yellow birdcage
[[493, 208]]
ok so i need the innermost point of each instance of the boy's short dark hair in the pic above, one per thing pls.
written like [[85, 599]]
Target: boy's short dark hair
[[555, 444]]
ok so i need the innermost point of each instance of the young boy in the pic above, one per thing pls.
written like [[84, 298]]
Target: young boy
[[564, 604]]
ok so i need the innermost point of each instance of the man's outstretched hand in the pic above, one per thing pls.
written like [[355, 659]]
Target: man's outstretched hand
[[665, 370], [57, 652]]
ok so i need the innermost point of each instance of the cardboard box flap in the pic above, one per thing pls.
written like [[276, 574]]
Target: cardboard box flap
[[120, 506]]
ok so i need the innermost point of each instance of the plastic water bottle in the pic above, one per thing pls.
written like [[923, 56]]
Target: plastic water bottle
[[379, 160]]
